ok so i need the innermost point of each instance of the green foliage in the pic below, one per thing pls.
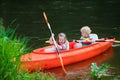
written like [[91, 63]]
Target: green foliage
[[35, 76], [10, 51], [11, 48], [98, 72], [2, 29]]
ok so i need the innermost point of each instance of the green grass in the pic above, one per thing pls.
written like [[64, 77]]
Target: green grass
[[36, 76], [11, 48]]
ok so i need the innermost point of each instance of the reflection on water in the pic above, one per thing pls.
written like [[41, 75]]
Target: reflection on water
[[81, 69], [115, 45]]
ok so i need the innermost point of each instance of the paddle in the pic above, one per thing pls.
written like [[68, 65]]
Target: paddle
[[100, 40], [116, 41], [61, 61]]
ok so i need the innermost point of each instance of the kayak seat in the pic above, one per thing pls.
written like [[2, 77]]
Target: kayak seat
[[71, 45]]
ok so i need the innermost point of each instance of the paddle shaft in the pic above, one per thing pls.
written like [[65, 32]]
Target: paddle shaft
[[94, 41], [61, 61], [117, 41]]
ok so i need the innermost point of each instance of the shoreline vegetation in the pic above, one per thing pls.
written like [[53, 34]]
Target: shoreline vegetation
[[11, 48]]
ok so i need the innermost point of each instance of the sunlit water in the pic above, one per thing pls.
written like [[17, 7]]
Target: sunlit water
[[67, 16]]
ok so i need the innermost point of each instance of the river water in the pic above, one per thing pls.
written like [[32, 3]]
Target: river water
[[66, 16]]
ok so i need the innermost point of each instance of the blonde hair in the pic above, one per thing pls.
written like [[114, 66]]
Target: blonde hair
[[86, 29]]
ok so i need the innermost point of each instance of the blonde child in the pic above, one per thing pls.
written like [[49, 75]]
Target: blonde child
[[61, 43], [85, 39]]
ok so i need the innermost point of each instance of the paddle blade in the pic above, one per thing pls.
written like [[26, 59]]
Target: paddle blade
[[44, 14]]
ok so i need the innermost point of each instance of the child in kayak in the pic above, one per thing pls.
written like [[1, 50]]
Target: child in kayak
[[61, 43], [86, 38]]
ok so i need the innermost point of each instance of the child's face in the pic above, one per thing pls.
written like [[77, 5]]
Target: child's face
[[61, 40], [85, 34]]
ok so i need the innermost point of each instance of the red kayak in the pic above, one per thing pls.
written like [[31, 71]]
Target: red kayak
[[40, 60], [79, 67]]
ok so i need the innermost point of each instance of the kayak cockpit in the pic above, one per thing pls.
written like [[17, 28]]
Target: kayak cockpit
[[42, 50]]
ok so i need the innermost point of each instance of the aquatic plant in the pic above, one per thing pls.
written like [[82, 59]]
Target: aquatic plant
[[98, 72]]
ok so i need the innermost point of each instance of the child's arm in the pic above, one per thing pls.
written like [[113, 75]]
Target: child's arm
[[51, 40], [62, 47], [59, 47]]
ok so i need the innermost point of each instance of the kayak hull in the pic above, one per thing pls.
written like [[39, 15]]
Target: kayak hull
[[40, 60]]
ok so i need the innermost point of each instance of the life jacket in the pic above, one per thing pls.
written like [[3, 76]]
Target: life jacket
[[86, 40]]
